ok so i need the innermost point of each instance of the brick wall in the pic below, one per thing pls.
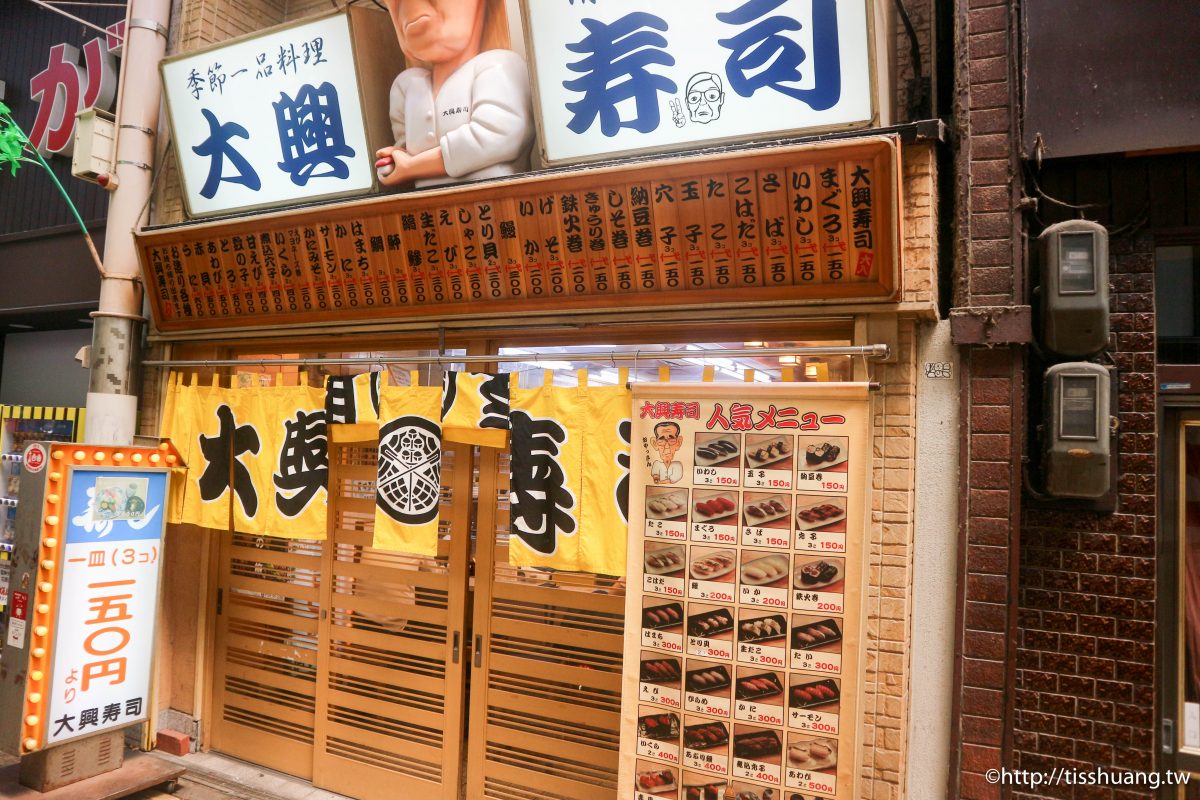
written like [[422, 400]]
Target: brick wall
[[988, 272], [921, 14], [1086, 633]]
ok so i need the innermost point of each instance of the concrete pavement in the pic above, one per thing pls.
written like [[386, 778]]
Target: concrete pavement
[[211, 776]]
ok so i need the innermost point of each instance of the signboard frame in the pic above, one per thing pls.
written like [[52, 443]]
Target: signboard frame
[[367, 41], [872, 121], [47, 519], [148, 629], [170, 275]]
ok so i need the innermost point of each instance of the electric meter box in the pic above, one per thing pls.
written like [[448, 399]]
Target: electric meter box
[[1074, 291], [1077, 444]]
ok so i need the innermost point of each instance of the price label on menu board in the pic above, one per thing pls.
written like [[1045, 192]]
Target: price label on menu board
[[716, 591], [766, 537], [666, 529], [714, 763], [820, 542], [764, 596], [706, 704], [818, 601], [810, 720], [666, 696], [762, 654], [757, 712], [708, 533], [830, 483], [750, 769], [657, 584], [663, 751], [671, 642], [830, 663], [809, 781], [710, 648], [767, 479], [715, 476], [748, 538]]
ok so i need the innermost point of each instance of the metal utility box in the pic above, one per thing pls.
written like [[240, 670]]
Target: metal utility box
[[1077, 441], [1074, 291], [95, 144]]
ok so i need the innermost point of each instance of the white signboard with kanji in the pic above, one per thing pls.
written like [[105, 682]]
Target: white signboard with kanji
[[620, 76], [270, 119], [108, 596]]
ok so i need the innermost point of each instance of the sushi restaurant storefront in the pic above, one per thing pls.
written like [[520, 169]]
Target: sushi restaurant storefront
[[589, 482]]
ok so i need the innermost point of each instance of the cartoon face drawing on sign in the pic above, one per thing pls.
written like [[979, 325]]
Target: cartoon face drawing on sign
[[410, 467], [667, 441], [705, 96], [463, 110]]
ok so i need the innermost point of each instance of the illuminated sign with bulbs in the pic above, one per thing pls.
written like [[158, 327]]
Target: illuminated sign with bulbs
[[79, 639]]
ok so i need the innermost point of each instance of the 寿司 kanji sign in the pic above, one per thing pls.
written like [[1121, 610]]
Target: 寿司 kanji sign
[[625, 76], [108, 595], [280, 116]]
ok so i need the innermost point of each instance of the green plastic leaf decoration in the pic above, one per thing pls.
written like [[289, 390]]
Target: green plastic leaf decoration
[[4, 109], [12, 146]]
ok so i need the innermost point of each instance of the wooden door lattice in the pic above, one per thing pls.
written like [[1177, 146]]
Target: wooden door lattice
[[266, 660], [547, 678], [390, 686]]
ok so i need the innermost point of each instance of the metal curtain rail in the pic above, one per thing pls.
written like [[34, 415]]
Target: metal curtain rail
[[612, 356]]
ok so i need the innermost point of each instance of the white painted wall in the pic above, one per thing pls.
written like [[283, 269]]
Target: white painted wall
[[934, 567], [40, 369]]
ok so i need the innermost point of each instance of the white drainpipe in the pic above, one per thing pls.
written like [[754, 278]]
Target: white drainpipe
[[112, 397]]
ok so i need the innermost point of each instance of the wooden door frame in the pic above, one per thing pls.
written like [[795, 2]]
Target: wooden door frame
[[456, 615], [1174, 414]]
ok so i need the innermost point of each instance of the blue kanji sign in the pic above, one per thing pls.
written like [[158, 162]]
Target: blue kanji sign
[[270, 120], [622, 76]]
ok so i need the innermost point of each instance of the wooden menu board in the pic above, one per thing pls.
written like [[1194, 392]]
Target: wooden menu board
[[812, 222], [748, 510]]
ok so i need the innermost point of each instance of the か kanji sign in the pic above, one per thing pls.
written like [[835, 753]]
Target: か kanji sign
[[270, 119], [625, 75], [103, 638], [64, 88]]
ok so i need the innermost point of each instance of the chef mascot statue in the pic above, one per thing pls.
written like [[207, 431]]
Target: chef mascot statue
[[462, 111]]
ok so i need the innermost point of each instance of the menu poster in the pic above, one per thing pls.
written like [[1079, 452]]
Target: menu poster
[[748, 512]]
